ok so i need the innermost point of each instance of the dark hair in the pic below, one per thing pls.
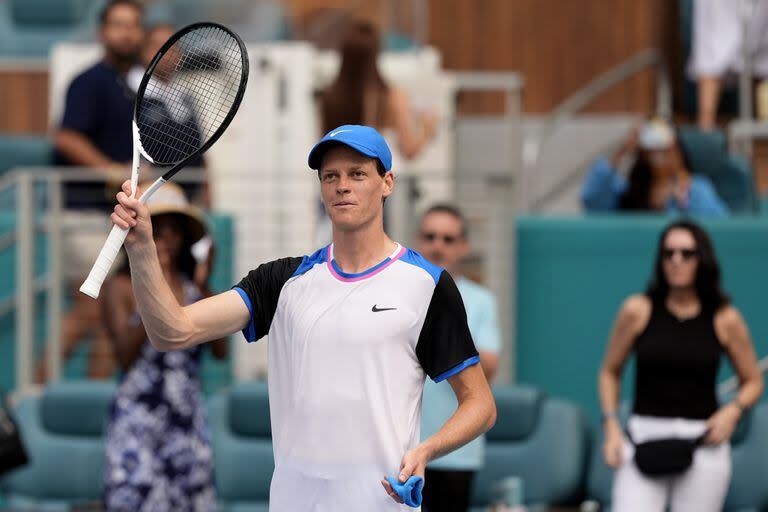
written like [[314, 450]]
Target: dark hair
[[452, 211], [185, 261], [637, 195], [343, 101], [111, 4], [707, 281]]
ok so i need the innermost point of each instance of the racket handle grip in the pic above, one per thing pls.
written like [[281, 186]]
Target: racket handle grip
[[107, 256]]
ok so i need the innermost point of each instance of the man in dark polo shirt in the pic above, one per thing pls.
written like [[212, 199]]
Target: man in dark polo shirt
[[95, 129]]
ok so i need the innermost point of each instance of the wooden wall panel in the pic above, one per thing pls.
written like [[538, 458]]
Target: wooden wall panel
[[24, 96], [558, 45]]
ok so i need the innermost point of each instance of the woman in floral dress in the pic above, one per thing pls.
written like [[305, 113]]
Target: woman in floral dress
[[158, 450]]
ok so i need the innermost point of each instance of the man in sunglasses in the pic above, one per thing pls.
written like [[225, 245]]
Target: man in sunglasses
[[443, 241]]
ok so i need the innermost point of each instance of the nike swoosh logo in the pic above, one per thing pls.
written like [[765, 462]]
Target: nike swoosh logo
[[338, 132], [376, 310]]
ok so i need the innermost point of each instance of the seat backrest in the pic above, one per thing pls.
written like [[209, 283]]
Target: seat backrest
[[17, 150], [242, 443], [76, 408], [539, 439], [730, 175], [48, 13], [249, 410], [63, 432], [31, 27]]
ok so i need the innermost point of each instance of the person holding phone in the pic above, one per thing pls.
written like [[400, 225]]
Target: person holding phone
[[660, 179]]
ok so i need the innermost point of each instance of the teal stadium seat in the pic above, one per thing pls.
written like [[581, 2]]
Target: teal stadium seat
[[29, 28], [540, 439], [242, 447], [730, 174], [255, 21], [63, 431], [24, 151], [748, 491]]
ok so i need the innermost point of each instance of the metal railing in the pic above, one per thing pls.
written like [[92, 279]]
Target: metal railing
[[33, 218], [532, 145]]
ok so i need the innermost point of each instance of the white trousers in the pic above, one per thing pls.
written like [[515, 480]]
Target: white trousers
[[702, 488], [718, 38]]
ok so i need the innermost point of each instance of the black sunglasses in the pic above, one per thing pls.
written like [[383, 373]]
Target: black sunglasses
[[431, 237], [687, 254]]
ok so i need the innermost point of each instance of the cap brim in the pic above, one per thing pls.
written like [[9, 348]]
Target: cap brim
[[316, 155]]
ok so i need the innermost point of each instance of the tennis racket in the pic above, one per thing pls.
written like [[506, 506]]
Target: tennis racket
[[187, 98]]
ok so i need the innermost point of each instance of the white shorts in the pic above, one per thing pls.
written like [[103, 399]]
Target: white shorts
[[83, 235], [702, 488], [717, 39]]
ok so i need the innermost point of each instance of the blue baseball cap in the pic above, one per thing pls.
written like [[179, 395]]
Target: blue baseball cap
[[363, 139]]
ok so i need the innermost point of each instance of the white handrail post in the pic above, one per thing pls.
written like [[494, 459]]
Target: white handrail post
[[54, 281], [25, 268]]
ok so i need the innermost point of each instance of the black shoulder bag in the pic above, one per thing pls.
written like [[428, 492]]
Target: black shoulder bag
[[12, 452]]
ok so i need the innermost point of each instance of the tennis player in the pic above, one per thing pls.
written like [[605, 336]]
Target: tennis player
[[353, 329]]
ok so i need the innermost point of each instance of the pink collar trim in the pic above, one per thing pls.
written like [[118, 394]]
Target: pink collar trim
[[352, 278]]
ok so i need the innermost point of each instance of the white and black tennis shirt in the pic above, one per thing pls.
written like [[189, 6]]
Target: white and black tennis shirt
[[348, 354]]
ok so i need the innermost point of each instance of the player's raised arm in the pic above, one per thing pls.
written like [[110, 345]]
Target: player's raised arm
[[170, 326]]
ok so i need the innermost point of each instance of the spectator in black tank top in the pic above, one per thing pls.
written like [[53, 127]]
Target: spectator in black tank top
[[678, 330]]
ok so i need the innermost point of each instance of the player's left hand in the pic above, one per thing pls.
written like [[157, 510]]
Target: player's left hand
[[414, 463]]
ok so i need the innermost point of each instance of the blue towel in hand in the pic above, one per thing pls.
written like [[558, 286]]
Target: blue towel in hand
[[410, 491]]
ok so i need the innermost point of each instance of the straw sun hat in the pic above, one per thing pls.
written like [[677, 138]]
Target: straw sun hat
[[171, 200]]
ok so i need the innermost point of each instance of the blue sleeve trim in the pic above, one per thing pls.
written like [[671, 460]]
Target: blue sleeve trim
[[458, 368], [250, 330], [307, 262], [414, 258]]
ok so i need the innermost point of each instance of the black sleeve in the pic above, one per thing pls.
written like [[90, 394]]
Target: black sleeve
[[260, 290], [445, 346]]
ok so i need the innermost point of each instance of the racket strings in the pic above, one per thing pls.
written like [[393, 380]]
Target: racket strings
[[191, 92]]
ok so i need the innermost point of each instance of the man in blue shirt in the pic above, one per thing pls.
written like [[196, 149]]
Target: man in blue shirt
[[448, 480]]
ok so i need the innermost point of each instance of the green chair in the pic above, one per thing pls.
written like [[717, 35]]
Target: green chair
[[242, 447], [29, 28], [63, 431], [541, 440], [20, 150], [731, 175]]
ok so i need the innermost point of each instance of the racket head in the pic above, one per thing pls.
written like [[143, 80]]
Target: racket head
[[190, 93]]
